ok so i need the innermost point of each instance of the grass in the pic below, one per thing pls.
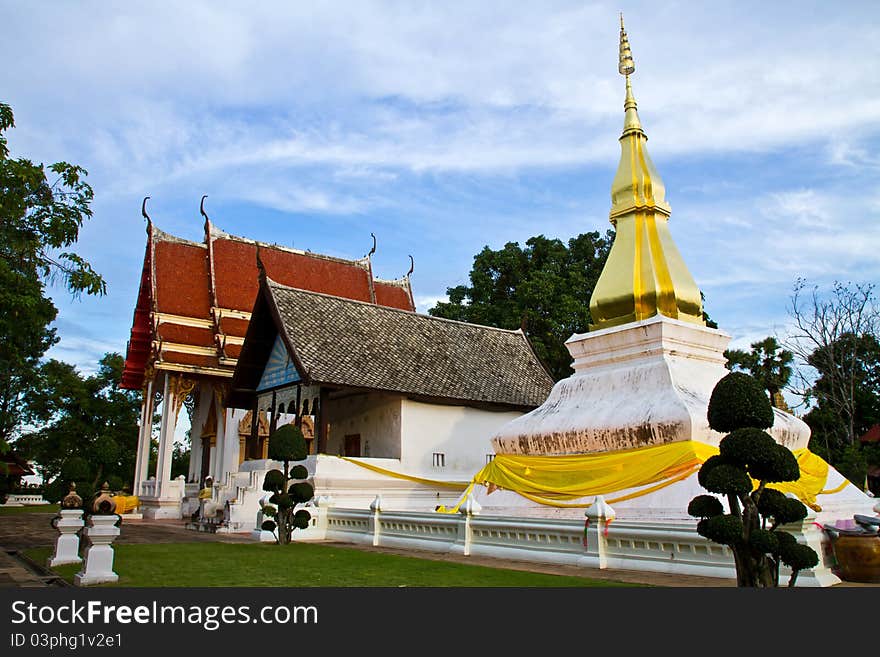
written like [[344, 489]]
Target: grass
[[36, 508], [301, 564]]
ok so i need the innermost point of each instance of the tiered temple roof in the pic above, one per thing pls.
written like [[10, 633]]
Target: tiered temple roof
[[195, 298]]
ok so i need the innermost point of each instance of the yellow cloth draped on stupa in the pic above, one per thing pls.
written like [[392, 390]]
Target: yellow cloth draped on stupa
[[560, 480]]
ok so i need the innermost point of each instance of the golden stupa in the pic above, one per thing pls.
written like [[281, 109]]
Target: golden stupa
[[645, 274]]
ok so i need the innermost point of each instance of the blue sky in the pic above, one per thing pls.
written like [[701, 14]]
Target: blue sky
[[446, 126]]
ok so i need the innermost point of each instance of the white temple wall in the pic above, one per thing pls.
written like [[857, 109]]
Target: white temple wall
[[461, 434], [374, 416]]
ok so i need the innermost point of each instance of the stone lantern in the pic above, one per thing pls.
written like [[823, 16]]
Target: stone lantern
[[68, 523], [102, 529]]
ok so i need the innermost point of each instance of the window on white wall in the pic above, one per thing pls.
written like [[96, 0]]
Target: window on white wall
[[439, 460]]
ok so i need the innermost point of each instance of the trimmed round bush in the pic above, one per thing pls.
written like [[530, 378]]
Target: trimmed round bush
[[301, 519], [301, 492], [770, 502], [725, 529], [764, 541], [705, 506], [763, 457], [739, 401], [748, 446], [287, 444], [790, 510], [797, 556], [786, 466], [783, 539], [284, 501], [728, 480], [299, 472], [710, 463], [273, 481], [268, 526]]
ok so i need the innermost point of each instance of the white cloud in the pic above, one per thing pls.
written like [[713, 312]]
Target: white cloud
[[426, 302]]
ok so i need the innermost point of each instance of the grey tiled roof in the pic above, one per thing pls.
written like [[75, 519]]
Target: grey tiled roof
[[348, 343]]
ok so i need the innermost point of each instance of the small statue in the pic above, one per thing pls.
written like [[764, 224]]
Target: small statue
[[72, 500], [207, 492], [104, 504]]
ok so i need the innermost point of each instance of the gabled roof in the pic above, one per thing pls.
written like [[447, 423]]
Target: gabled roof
[[872, 435], [195, 298], [350, 344]]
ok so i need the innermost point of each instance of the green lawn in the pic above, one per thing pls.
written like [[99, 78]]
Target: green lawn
[[36, 508], [300, 564]]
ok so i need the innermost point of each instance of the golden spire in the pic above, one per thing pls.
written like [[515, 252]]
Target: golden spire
[[645, 274]]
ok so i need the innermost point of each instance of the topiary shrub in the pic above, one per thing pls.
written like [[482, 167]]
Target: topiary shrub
[[747, 453], [287, 444], [739, 401]]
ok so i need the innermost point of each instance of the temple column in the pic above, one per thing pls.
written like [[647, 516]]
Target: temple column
[[145, 434], [175, 390], [322, 428]]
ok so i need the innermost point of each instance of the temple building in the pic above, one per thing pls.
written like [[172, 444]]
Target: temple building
[[192, 312], [406, 402]]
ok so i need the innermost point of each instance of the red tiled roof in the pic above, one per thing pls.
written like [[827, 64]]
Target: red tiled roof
[[394, 294], [195, 299], [872, 435]]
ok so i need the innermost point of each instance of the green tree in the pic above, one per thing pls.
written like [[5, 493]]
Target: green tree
[[833, 432], [543, 288], [89, 420], [768, 362], [39, 220], [288, 485], [836, 338], [751, 526]]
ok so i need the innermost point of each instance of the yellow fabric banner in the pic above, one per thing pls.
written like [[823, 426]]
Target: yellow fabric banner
[[557, 480], [457, 485]]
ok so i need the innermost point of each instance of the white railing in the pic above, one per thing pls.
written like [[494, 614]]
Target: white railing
[[665, 547], [25, 500], [148, 488]]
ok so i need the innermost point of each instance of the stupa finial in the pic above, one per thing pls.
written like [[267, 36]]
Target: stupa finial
[[644, 274], [626, 66]]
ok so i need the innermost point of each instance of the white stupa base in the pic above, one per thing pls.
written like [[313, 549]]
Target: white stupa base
[[636, 385]]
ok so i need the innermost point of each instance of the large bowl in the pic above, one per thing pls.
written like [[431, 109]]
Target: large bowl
[[858, 557]]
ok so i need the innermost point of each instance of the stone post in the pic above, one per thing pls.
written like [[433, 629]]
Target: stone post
[[376, 508], [68, 524], [597, 517], [469, 508], [98, 564]]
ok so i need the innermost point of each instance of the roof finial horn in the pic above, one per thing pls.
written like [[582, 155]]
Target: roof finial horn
[[373, 250], [144, 210], [412, 266]]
